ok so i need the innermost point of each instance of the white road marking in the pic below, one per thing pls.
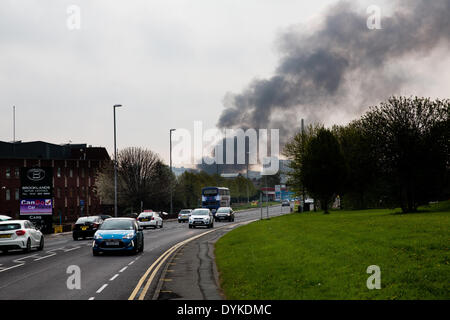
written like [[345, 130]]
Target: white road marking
[[115, 276], [131, 263], [123, 269], [91, 298], [101, 288], [45, 257], [19, 260], [17, 265], [67, 250]]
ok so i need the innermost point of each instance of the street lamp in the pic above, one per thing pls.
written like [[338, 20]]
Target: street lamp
[[171, 204], [115, 160]]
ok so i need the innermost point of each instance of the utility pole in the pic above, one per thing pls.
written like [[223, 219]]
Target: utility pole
[[14, 123], [171, 192], [115, 161], [303, 152], [248, 196], [261, 204]]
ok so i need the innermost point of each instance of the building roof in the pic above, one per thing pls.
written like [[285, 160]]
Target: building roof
[[49, 151]]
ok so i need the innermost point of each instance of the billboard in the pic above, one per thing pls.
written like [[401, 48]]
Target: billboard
[[36, 207], [36, 191]]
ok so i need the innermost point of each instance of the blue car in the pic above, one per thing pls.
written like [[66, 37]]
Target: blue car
[[118, 234]]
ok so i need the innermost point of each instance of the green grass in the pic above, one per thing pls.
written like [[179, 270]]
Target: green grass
[[317, 256]]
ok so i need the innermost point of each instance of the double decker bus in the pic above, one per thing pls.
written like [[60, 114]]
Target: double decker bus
[[215, 197]]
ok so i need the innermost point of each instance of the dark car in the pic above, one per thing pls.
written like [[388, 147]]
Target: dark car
[[286, 203], [86, 227], [224, 213], [131, 215]]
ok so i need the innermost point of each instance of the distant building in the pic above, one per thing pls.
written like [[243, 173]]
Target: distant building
[[74, 170], [179, 171]]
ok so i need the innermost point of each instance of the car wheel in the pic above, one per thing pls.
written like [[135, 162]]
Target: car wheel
[[161, 225], [5, 251], [28, 247], [41, 244], [135, 250], [95, 253], [141, 249]]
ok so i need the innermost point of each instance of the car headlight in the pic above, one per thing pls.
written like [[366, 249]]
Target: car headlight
[[97, 236], [129, 236]]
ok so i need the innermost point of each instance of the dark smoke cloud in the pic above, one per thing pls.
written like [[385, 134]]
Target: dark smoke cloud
[[340, 68]]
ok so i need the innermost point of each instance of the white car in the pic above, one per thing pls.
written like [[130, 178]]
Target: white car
[[150, 219], [201, 217], [4, 218], [20, 234]]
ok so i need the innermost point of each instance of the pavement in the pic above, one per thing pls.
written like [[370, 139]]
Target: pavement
[[192, 273], [46, 275]]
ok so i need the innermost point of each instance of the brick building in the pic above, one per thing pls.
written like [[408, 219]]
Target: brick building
[[74, 169]]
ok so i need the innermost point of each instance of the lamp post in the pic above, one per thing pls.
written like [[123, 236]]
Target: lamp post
[[170, 186], [115, 160]]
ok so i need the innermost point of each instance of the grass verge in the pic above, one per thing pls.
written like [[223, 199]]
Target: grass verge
[[316, 256]]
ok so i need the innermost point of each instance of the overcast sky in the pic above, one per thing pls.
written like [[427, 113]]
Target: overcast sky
[[169, 63]]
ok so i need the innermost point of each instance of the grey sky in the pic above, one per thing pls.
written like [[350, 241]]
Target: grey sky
[[168, 62]]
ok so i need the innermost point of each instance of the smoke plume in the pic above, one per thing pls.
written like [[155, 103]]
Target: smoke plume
[[341, 68]]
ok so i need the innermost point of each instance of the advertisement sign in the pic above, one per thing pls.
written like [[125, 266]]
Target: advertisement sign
[[36, 206], [36, 183], [277, 192], [36, 191]]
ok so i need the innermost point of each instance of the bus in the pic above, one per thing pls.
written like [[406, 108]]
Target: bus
[[215, 197]]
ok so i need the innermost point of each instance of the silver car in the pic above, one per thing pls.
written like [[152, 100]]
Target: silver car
[[184, 215], [20, 234], [201, 217]]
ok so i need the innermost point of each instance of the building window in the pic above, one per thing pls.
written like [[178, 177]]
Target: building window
[[8, 172], [8, 195], [58, 191], [17, 172], [71, 173], [17, 194], [58, 174], [82, 172]]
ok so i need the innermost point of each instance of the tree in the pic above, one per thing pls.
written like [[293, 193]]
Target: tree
[[295, 151], [142, 178], [361, 183], [323, 167], [409, 138]]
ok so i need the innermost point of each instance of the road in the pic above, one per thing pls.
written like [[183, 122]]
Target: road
[[44, 274]]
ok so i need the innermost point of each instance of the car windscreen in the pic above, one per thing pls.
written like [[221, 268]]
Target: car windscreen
[[10, 226], [86, 219], [223, 210], [210, 192], [113, 224], [145, 215], [200, 212], [185, 211]]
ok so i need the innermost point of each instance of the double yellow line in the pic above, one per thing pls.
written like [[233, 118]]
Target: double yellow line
[[157, 265]]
